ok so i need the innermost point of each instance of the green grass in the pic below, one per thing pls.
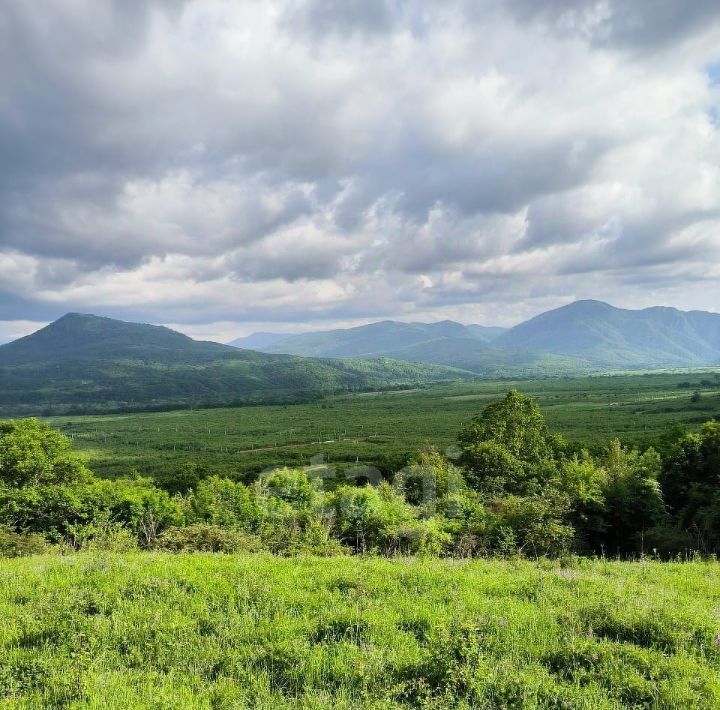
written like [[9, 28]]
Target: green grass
[[147, 630], [381, 428]]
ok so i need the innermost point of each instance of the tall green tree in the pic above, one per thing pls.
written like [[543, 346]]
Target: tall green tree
[[691, 483], [34, 454], [508, 449], [633, 497]]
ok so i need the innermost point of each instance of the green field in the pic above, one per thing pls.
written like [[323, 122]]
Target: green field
[[208, 631], [382, 429]]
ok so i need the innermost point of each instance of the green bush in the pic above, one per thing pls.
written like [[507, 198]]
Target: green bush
[[301, 537], [222, 502], [202, 537], [13, 544], [102, 534]]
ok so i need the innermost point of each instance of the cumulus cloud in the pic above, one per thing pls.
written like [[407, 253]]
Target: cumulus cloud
[[314, 162]]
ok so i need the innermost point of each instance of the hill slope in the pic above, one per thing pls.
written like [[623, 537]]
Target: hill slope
[[84, 362], [443, 343], [372, 340], [260, 340], [617, 338], [243, 630], [488, 360]]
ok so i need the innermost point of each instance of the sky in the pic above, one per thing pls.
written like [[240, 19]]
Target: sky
[[226, 166]]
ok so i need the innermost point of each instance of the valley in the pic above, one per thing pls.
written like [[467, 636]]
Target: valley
[[383, 429]]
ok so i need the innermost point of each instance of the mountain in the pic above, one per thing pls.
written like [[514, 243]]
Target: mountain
[[468, 347], [377, 339], [88, 363], [617, 338], [488, 333], [81, 337], [258, 341], [490, 361], [583, 336]]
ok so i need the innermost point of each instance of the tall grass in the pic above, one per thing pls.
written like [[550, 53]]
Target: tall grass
[[149, 630]]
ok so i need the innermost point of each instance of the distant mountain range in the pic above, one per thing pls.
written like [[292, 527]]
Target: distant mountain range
[[583, 336], [87, 363], [467, 347], [258, 341], [616, 338], [377, 339]]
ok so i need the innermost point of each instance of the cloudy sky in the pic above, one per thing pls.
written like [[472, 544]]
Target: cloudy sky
[[225, 166]]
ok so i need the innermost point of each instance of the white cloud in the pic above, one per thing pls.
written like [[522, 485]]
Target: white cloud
[[316, 162]]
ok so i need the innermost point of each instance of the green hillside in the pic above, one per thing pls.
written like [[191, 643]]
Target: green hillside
[[151, 630], [488, 360], [610, 337], [88, 363], [443, 343], [372, 340]]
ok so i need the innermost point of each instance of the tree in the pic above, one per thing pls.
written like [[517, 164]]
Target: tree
[[516, 423], [45, 488], [224, 503], [428, 478], [691, 483], [508, 448], [583, 481], [370, 517], [34, 454], [183, 480], [633, 497]]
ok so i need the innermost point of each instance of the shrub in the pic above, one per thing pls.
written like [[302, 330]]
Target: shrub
[[369, 518], [202, 537], [102, 534], [13, 544], [223, 502], [311, 537]]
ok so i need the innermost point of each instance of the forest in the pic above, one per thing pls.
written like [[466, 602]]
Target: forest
[[509, 486]]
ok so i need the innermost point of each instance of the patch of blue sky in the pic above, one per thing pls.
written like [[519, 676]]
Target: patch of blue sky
[[713, 73]]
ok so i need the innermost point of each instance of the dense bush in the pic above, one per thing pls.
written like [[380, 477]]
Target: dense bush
[[13, 544], [513, 489], [201, 537]]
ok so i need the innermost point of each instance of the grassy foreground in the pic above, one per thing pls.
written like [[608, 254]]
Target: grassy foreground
[[149, 630]]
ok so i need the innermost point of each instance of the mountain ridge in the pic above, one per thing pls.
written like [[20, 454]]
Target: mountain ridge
[[378, 338], [608, 336], [583, 335], [88, 362]]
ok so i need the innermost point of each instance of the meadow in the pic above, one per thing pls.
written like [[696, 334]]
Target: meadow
[[383, 429], [216, 631]]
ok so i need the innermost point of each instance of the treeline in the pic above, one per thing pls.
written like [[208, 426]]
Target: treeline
[[510, 487]]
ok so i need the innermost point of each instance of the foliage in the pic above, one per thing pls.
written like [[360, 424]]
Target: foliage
[[222, 502], [691, 480], [101, 534], [33, 454], [14, 544], [514, 422], [633, 497], [202, 537], [514, 490]]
